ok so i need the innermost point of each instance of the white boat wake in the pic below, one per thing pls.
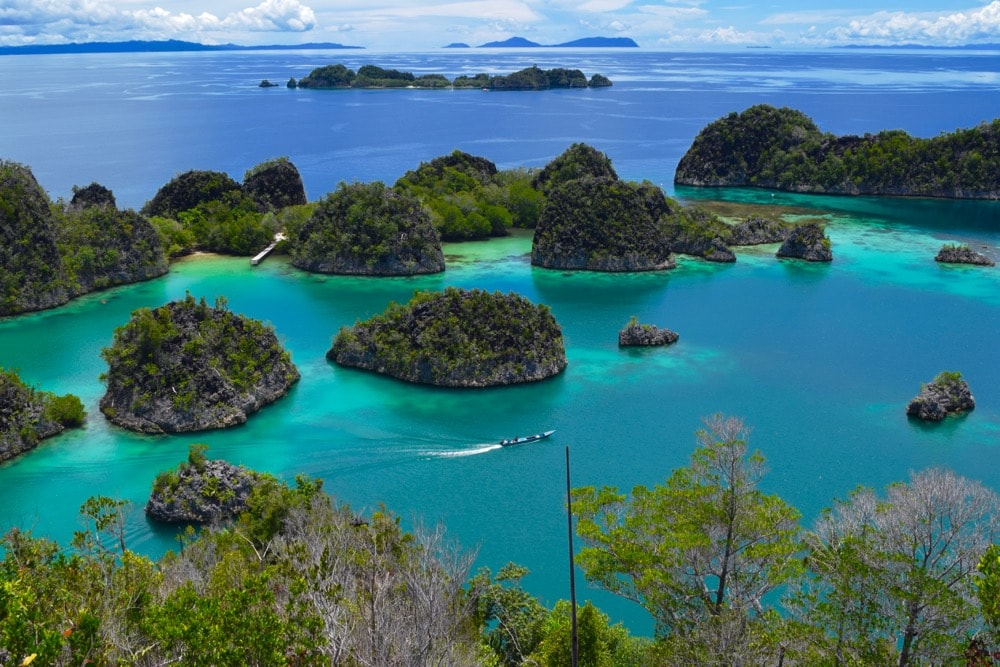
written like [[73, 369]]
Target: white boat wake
[[476, 449]]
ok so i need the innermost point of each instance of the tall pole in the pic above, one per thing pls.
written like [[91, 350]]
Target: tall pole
[[574, 639]]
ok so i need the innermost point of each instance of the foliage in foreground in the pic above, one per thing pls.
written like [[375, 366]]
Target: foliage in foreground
[[905, 577]]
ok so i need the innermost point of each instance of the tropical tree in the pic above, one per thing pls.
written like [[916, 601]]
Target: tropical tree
[[700, 551], [898, 573]]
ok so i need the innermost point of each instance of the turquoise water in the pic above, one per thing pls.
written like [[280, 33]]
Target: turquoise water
[[820, 359]]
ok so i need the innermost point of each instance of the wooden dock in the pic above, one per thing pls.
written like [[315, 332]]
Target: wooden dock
[[259, 257]]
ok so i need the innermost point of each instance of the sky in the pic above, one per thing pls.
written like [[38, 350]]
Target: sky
[[405, 25]]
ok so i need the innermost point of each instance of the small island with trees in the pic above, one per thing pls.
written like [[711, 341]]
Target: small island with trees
[[948, 393], [28, 415], [456, 338], [373, 76], [188, 366], [201, 490]]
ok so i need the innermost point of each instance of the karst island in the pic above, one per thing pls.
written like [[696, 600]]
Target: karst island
[[456, 338], [188, 366]]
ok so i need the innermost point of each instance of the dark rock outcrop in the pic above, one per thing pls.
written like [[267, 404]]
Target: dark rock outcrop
[[188, 190], [94, 194], [948, 393], [808, 242], [28, 416], [635, 335], [187, 366], [31, 275], [369, 229], [758, 231], [200, 491], [456, 338], [273, 185], [962, 254]]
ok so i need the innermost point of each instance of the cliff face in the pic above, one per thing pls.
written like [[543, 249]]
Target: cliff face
[[48, 256], [31, 276], [456, 338], [783, 149], [186, 366], [274, 185], [369, 229]]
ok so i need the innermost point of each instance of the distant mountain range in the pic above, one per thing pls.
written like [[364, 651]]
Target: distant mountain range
[[172, 45], [522, 43]]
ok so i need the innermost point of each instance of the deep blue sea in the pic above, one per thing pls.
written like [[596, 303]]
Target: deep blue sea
[[820, 360]]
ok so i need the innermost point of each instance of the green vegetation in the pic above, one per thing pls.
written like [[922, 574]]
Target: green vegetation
[[905, 577], [468, 198], [207, 210], [187, 366], [947, 377], [372, 76], [456, 338], [28, 415], [368, 228], [783, 149]]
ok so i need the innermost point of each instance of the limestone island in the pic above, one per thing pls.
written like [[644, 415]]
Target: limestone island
[[947, 394], [372, 76], [28, 416], [368, 229], [200, 490], [53, 252], [783, 149], [592, 220], [807, 241], [456, 338], [188, 366], [645, 335], [953, 253]]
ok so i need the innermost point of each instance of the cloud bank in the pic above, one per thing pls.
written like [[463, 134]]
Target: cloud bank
[[408, 25]]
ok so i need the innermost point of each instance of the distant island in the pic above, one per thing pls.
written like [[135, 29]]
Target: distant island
[[587, 42], [373, 76], [160, 46]]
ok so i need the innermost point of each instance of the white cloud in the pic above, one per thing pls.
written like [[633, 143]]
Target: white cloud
[[955, 28], [282, 15]]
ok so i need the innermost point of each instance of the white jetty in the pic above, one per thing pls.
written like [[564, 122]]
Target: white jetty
[[259, 257]]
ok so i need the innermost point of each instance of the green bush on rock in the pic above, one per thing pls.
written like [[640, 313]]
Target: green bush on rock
[[456, 338], [368, 229]]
